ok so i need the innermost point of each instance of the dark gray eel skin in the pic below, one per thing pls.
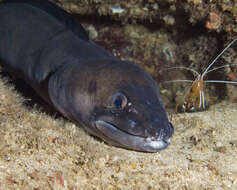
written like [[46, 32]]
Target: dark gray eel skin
[[112, 99]]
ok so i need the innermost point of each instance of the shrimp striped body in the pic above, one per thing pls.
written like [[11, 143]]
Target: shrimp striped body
[[196, 96]]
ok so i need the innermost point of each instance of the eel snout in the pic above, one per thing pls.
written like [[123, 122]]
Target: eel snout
[[117, 137]]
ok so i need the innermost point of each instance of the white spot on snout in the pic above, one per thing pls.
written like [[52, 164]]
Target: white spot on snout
[[156, 143]]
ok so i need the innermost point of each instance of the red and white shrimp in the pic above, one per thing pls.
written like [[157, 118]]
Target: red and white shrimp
[[195, 99]]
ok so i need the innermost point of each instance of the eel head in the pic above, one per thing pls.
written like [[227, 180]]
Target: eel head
[[116, 101]]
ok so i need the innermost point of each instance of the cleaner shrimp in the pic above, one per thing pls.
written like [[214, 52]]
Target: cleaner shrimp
[[195, 99]]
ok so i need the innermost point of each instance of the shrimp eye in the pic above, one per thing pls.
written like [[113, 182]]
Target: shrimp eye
[[118, 101]]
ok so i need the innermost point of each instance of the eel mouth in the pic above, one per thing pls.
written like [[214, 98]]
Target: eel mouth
[[112, 135]]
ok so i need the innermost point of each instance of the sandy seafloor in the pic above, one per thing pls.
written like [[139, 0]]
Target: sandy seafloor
[[39, 151]]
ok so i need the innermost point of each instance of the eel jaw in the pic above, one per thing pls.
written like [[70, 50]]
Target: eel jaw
[[116, 137]]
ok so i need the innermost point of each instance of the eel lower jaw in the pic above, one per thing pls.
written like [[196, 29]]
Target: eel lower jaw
[[116, 137]]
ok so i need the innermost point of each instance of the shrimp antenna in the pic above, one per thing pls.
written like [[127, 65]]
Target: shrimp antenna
[[170, 81], [221, 81], [228, 65], [186, 68], [217, 57]]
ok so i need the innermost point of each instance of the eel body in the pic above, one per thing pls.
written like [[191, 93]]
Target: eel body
[[112, 99]]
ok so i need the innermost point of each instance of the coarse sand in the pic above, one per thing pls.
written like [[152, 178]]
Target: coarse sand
[[39, 151]]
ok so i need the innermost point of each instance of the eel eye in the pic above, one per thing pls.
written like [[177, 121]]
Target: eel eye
[[118, 101]]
